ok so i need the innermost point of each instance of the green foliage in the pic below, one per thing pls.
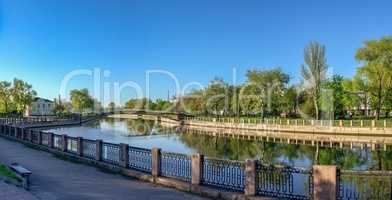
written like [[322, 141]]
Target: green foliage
[[59, 107], [376, 58], [263, 91], [215, 97], [138, 104], [335, 86], [112, 107], [15, 96], [161, 105], [5, 96], [82, 101]]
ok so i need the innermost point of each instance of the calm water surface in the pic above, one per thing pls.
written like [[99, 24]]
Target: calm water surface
[[148, 134]]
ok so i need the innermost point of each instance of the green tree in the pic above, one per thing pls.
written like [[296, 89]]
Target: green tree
[[376, 58], [81, 100], [162, 105], [5, 95], [22, 94], [289, 100], [314, 72], [139, 104], [335, 86], [59, 107], [193, 102], [216, 101], [266, 85], [112, 107]]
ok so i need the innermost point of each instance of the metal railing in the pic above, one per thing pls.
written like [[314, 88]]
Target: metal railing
[[140, 159], [111, 153], [357, 123], [176, 165], [356, 185], [89, 148], [72, 145], [57, 141], [45, 138], [224, 174], [284, 182]]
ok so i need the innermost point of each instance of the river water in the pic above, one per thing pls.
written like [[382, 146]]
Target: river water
[[149, 134]]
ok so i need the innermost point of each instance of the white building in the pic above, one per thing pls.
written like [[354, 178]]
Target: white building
[[40, 106]]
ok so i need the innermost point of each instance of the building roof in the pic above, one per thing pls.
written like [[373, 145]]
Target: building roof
[[42, 99]]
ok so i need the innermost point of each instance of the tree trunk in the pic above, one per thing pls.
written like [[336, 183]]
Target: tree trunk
[[316, 108], [379, 100]]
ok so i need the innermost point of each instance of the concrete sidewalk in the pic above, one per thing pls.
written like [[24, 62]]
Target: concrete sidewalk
[[56, 179]]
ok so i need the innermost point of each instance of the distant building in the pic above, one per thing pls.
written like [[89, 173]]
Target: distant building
[[40, 106]]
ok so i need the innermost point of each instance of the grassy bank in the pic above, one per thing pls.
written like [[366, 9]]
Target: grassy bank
[[6, 172]]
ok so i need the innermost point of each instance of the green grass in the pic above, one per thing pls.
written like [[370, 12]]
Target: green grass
[[6, 172]]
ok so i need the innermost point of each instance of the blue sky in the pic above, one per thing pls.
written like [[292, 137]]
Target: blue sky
[[43, 40]]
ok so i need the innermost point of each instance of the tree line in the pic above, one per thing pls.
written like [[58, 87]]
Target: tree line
[[15, 96], [269, 92]]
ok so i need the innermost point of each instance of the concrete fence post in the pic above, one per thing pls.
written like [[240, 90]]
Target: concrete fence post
[[79, 141], [361, 123], [340, 123], [385, 123], [325, 182], [30, 136], [197, 169], [124, 155], [15, 132], [373, 123], [21, 133], [351, 123], [50, 140], [98, 148], [250, 179], [156, 162], [64, 144], [40, 137]]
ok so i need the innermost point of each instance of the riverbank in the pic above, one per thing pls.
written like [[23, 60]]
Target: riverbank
[[291, 132]]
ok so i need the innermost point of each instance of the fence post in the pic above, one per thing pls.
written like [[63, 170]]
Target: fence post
[[15, 132], [124, 155], [155, 162], [250, 180], [197, 168], [98, 148], [340, 123], [64, 144], [325, 182], [50, 140], [30, 136], [80, 146], [40, 137]]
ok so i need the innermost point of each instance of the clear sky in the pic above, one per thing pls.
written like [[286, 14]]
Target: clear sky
[[43, 40]]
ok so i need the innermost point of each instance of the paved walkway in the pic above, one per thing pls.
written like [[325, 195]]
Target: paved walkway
[[11, 192], [56, 179]]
